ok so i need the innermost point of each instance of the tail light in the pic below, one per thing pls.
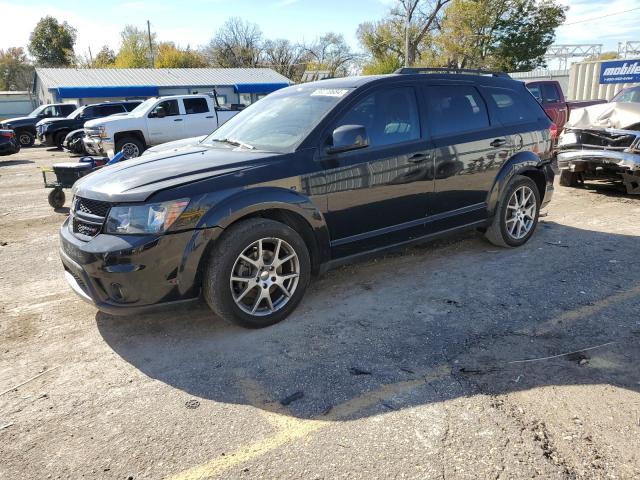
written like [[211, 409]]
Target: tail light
[[7, 134], [553, 130]]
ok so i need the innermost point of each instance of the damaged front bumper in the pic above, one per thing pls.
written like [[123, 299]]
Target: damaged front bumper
[[603, 153]]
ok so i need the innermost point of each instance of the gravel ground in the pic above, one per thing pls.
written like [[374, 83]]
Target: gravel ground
[[453, 359]]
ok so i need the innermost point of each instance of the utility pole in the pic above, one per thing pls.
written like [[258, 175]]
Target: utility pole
[[150, 44], [407, 24], [90, 57]]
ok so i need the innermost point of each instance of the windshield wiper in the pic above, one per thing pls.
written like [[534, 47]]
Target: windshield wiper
[[235, 143]]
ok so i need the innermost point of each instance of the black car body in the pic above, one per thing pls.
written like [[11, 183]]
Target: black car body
[[53, 131], [25, 127], [8, 143], [387, 160]]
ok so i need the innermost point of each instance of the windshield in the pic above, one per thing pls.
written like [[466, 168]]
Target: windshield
[[280, 121], [37, 111], [144, 105], [629, 95], [76, 113]]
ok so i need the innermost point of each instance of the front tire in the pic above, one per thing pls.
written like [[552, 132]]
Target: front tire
[[131, 147], [517, 214], [257, 273], [571, 179], [26, 139]]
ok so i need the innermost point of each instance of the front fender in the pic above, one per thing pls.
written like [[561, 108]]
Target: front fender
[[252, 201], [517, 164]]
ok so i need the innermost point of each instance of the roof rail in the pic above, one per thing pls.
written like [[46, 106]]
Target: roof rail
[[412, 70]]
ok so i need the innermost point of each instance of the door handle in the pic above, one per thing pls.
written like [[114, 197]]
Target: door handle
[[178, 120], [210, 116], [418, 158], [498, 142]]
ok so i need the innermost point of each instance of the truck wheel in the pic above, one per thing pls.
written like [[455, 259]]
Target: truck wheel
[[56, 198], [131, 147], [257, 273], [571, 179], [516, 216], [59, 139], [26, 139]]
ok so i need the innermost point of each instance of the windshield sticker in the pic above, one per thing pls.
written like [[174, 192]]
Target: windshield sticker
[[330, 92]]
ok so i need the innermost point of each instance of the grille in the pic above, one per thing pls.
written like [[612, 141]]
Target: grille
[[84, 228], [92, 207]]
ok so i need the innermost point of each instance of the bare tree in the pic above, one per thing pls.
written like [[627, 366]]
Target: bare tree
[[236, 44], [286, 58], [420, 17], [331, 52]]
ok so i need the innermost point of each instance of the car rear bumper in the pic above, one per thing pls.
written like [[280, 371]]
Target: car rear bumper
[[549, 170], [125, 275]]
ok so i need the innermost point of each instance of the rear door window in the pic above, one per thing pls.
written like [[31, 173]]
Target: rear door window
[[390, 116], [195, 105], [454, 109], [106, 110], [512, 107], [550, 93]]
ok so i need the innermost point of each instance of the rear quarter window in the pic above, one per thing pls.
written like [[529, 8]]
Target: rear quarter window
[[514, 107]]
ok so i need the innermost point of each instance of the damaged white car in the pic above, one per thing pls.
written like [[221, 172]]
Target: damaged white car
[[603, 142]]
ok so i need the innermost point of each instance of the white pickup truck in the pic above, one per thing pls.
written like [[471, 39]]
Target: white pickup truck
[[153, 122]]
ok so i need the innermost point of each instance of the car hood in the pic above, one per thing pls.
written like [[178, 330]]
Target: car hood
[[176, 145], [17, 121], [106, 120], [136, 180], [58, 122]]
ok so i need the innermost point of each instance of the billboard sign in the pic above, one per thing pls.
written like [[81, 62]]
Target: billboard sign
[[620, 71]]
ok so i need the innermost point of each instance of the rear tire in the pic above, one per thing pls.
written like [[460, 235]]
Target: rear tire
[[571, 179], [257, 273], [26, 139], [56, 198], [517, 213], [130, 146]]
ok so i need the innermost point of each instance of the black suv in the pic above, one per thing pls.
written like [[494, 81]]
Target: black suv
[[309, 177], [25, 127], [53, 131]]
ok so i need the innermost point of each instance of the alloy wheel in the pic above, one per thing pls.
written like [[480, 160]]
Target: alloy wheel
[[265, 276], [130, 150], [521, 212]]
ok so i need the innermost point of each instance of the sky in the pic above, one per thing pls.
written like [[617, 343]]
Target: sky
[[194, 22]]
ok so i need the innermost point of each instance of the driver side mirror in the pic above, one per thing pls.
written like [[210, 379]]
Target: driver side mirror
[[349, 137], [161, 112]]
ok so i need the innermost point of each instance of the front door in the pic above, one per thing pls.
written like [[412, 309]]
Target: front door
[[167, 128], [378, 195], [469, 152]]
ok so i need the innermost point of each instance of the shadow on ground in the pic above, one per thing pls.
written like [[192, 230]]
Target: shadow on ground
[[445, 318], [10, 163]]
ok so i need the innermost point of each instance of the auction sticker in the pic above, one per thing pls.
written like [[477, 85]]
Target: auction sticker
[[330, 92]]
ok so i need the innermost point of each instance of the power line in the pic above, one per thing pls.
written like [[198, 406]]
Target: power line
[[598, 18]]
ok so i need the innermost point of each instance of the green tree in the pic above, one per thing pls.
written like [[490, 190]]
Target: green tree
[[508, 35], [51, 43], [16, 73], [105, 58], [134, 48], [170, 56]]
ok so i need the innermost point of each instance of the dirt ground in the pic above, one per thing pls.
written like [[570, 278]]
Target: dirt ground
[[449, 360]]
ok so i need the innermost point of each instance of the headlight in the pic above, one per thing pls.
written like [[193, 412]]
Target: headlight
[[149, 218], [102, 131], [568, 138]]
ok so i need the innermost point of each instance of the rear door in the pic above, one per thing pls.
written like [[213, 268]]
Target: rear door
[[198, 117], [171, 126], [470, 149], [378, 195]]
